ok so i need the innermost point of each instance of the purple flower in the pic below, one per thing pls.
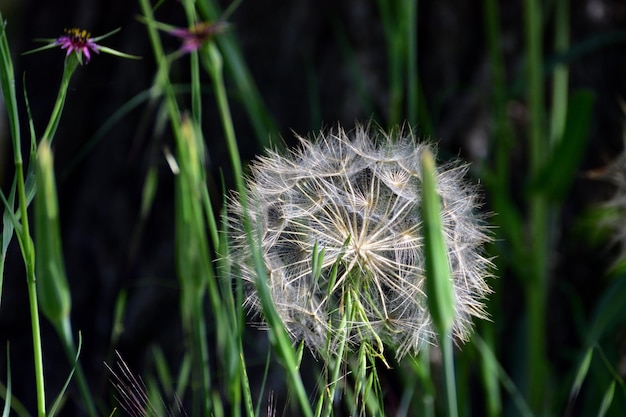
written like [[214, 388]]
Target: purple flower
[[78, 40], [195, 36], [81, 43]]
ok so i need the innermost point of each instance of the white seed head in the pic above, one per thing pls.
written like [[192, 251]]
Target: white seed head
[[357, 197]]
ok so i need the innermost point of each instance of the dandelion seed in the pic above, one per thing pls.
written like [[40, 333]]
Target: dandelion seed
[[357, 199]]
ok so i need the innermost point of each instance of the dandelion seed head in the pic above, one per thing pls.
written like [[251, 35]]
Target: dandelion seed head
[[357, 197]]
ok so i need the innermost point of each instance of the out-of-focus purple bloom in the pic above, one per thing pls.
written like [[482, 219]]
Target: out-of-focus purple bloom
[[78, 40], [194, 37]]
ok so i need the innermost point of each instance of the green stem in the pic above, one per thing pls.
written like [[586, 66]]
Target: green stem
[[196, 88], [500, 189], [213, 64], [261, 120], [423, 372], [36, 331], [203, 354], [71, 63], [448, 373], [38, 355], [395, 39], [538, 146], [28, 252], [561, 73], [412, 94]]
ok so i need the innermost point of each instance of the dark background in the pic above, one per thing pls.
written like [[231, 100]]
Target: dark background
[[294, 53]]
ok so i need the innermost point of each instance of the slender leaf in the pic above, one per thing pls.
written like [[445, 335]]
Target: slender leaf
[[581, 374], [607, 400], [438, 281]]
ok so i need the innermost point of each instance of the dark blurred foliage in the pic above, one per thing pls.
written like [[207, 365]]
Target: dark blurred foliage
[[296, 53]]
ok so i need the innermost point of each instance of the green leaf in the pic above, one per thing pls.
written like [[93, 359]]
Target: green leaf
[[438, 281], [7, 84]]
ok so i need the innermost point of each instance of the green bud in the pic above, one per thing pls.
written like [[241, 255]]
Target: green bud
[[52, 288]]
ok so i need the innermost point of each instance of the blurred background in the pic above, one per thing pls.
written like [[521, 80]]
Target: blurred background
[[315, 64]]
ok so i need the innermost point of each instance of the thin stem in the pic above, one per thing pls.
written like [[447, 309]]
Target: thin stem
[[412, 95], [500, 185], [561, 73], [536, 286], [36, 330], [71, 63], [424, 373], [449, 378], [196, 88], [64, 329], [28, 253], [38, 355], [393, 28], [213, 64]]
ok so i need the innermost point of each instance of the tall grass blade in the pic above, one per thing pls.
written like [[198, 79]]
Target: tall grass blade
[[438, 281], [439, 289], [7, 84]]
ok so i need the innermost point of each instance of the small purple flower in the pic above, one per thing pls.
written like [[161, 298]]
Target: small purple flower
[[81, 43], [195, 36], [78, 40]]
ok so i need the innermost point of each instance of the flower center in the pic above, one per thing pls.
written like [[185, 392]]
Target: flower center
[[78, 35]]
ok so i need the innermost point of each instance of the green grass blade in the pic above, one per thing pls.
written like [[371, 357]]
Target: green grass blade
[[8, 391], [439, 289], [607, 400], [8, 226], [7, 84], [60, 398], [438, 282], [609, 310], [581, 374]]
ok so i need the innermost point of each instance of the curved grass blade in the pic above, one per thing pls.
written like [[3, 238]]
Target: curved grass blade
[[8, 392], [60, 398]]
